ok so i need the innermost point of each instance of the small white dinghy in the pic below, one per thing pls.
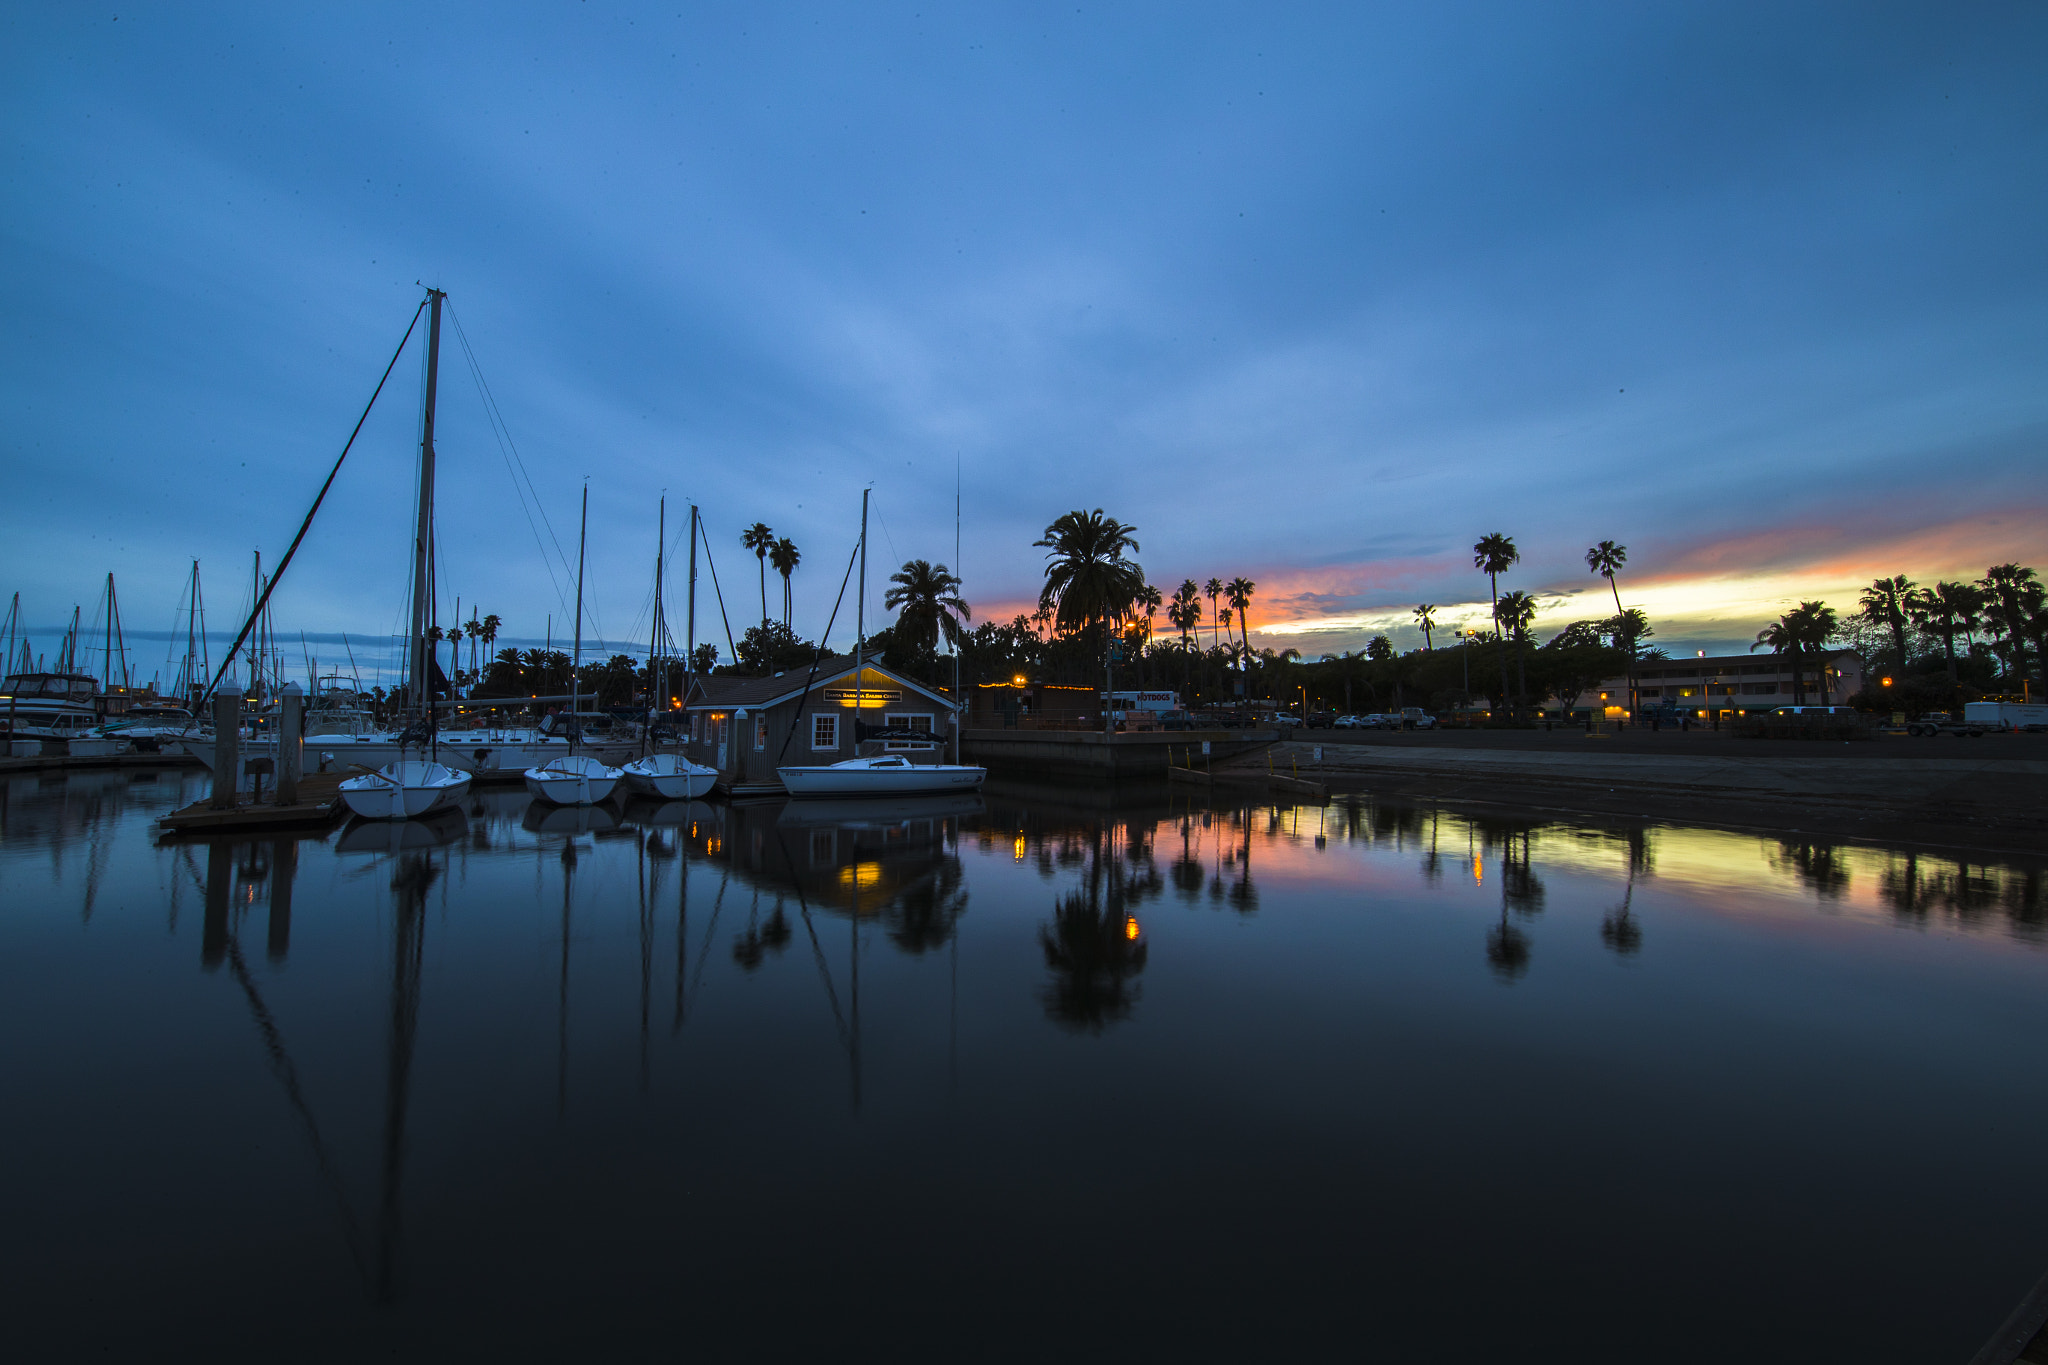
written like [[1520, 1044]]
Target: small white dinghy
[[669, 776], [402, 790], [887, 775], [572, 781]]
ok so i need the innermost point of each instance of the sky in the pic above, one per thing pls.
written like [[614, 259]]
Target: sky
[[1313, 295]]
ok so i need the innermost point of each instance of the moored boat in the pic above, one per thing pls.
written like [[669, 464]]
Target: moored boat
[[669, 776], [883, 775], [572, 781], [402, 790]]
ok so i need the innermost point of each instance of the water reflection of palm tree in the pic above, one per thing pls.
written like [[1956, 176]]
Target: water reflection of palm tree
[[1187, 869], [925, 915], [1820, 866], [1507, 948], [1618, 928], [1094, 949]]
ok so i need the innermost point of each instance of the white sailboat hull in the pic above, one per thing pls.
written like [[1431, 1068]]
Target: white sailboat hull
[[669, 777], [402, 790], [579, 781], [880, 777]]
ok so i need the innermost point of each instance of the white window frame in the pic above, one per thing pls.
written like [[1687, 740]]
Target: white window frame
[[822, 721], [909, 720], [760, 733]]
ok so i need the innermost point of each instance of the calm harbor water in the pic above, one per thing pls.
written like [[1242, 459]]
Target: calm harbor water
[[1009, 1077]]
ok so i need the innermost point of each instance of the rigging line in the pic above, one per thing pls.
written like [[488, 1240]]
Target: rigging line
[[515, 465], [817, 949], [705, 536], [287, 1074], [307, 524], [819, 657], [710, 932]]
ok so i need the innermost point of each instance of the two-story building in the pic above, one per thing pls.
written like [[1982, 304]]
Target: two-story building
[[1730, 684]]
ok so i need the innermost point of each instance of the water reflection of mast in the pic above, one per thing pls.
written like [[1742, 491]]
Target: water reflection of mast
[[415, 874], [562, 991]]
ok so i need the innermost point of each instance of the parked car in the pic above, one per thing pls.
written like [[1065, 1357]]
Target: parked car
[[1415, 718], [1283, 718], [1346, 723], [1941, 723], [1322, 720]]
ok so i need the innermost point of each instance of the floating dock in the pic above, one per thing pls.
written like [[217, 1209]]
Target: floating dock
[[319, 805]]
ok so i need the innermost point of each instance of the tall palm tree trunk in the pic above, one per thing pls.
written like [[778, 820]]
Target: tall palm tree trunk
[[1499, 637]]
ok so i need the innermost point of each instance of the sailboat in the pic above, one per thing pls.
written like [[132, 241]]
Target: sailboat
[[574, 779], [667, 777], [416, 786]]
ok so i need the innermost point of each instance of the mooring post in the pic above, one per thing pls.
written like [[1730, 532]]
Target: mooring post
[[290, 744], [227, 745], [220, 877]]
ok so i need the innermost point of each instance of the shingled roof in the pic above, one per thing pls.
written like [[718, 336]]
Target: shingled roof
[[722, 693]]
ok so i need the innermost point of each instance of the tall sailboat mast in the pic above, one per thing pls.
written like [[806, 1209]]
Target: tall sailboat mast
[[657, 663], [690, 627], [576, 659], [422, 583], [860, 621]]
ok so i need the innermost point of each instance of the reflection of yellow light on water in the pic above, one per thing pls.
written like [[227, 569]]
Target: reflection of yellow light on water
[[860, 876], [714, 846], [1130, 927], [1478, 873], [1017, 850]]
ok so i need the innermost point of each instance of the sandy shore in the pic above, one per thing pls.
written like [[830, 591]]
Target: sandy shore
[[1982, 795]]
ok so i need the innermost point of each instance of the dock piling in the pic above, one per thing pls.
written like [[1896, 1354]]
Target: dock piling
[[290, 744], [227, 736]]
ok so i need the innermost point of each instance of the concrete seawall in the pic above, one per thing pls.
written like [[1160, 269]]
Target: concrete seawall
[[1144, 756], [1990, 800]]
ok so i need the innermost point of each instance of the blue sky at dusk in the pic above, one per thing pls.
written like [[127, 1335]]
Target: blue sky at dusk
[[1314, 295]]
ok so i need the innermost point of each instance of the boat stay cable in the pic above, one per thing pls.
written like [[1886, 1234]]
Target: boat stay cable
[[705, 536], [508, 451], [819, 657], [311, 512]]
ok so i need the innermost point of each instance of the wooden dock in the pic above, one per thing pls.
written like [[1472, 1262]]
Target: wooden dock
[[319, 805]]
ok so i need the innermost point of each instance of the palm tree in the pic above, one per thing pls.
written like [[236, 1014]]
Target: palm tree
[[455, 637], [1238, 592], [1816, 624], [1088, 579], [1425, 616], [1185, 612], [926, 599], [1517, 610], [2013, 591], [1493, 556], [1809, 626], [1948, 610], [1887, 601], [1149, 599], [1781, 637], [760, 540], [785, 557], [1606, 559], [1214, 587]]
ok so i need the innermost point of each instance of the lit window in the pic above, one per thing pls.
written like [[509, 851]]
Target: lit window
[[824, 730], [760, 732]]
